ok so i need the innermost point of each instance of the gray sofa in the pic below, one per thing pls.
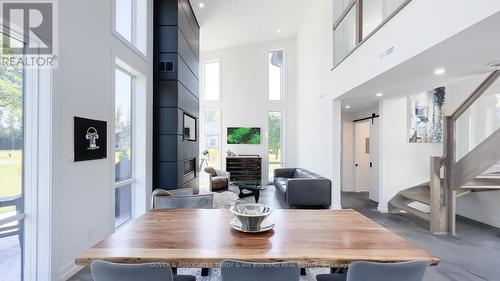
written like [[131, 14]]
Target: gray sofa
[[302, 188]]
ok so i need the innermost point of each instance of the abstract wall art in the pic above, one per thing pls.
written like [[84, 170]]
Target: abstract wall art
[[425, 116]]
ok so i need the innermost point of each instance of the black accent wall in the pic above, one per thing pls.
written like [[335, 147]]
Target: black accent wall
[[176, 82]]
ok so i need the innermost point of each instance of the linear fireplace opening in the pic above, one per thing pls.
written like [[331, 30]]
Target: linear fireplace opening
[[189, 169]]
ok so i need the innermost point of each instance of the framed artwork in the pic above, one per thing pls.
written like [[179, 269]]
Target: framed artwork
[[425, 116], [90, 139], [243, 135]]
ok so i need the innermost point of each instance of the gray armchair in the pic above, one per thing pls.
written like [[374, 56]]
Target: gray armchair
[[162, 199], [219, 180], [302, 188]]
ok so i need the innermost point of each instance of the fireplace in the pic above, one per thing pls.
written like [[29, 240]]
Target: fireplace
[[189, 169]]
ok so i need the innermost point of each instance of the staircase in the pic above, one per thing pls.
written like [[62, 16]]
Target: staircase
[[489, 181], [478, 171]]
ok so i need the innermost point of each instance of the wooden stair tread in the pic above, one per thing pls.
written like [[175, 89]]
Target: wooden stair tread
[[398, 204], [413, 211], [423, 196], [482, 184], [489, 176], [479, 188]]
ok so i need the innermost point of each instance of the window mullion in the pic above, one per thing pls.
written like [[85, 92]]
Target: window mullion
[[359, 21]]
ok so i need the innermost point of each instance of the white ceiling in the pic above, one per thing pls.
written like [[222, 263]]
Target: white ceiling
[[228, 23], [467, 53]]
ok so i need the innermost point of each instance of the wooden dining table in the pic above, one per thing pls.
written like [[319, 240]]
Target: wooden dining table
[[200, 238]]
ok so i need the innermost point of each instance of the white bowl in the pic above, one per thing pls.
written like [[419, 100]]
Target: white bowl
[[251, 215]]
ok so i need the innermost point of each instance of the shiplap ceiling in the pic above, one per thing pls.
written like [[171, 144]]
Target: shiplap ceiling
[[228, 23]]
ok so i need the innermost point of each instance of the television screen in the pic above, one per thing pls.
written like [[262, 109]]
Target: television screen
[[242, 135], [189, 128]]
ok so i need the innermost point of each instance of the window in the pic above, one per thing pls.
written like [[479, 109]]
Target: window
[[376, 11], [356, 20], [11, 172], [131, 22], [345, 35], [275, 75], [212, 134], [123, 147], [275, 142], [211, 80]]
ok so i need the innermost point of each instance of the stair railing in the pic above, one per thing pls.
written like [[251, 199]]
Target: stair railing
[[458, 173]]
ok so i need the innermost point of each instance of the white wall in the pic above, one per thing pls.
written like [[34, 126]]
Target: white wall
[[403, 164], [318, 140], [244, 96], [347, 153], [83, 192], [318, 148], [482, 207], [409, 33]]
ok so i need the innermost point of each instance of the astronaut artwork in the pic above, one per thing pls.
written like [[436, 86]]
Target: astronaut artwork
[[89, 139], [92, 136]]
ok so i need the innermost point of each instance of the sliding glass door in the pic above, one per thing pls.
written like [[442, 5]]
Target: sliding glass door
[[11, 172]]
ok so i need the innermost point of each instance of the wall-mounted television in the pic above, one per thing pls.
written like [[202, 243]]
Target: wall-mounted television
[[243, 135], [189, 130]]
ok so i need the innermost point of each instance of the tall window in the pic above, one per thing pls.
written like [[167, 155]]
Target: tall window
[[276, 75], [11, 172], [123, 146], [131, 22], [212, 132], [211, 80], [275, 141]]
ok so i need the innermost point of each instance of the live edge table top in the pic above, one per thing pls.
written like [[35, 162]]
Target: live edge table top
[[203, 238]]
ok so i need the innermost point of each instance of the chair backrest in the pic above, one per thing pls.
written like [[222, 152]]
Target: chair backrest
[[249, 271], [108, 271], [369, 271], [203, 201]]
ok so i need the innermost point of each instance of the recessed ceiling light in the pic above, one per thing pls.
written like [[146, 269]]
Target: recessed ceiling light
[[439, 71], [201, 5], [278, 30], [379, 94], [347, 106], [213, 42]]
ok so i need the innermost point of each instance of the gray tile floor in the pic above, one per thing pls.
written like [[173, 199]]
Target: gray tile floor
[[474, 254]]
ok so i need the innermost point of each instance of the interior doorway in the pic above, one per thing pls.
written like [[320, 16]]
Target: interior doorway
[[362, 173], [360, 152]]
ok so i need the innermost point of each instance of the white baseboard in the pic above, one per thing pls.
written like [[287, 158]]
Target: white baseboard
[[353, 189], [68, 271], [383, 207], [336, 207], [348, 188], [363, 189]]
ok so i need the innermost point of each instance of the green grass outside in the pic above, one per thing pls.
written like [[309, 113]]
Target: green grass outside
[[10, 174]]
